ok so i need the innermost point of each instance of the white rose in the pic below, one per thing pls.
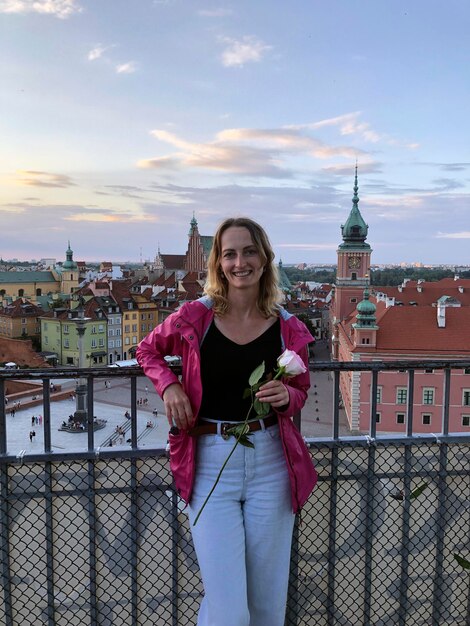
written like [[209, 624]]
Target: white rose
[[291, 364]]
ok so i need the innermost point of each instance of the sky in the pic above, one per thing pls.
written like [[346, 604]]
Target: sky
[[121, 119]]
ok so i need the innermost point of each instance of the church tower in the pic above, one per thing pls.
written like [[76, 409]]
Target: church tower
[[69, 278], [353, 272], [196, 257]]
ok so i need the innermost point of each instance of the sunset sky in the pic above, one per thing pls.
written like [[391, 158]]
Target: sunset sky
[[120, 118]]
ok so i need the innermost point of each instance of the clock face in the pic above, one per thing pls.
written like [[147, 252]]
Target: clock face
[[354, 262]]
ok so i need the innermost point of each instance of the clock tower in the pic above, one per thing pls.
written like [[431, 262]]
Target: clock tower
[[353, 271]]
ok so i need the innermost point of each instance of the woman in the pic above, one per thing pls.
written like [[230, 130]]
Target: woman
[[243, 536]]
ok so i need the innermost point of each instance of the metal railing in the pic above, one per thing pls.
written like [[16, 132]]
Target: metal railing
[[100, 537]]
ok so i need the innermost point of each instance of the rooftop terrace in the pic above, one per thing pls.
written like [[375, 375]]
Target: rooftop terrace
[[92, 534]]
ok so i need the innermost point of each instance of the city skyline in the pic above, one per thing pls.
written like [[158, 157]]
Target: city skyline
[[120, 120]]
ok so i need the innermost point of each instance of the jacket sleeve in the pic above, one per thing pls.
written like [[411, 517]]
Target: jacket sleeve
[[298, 387], [163, 341]]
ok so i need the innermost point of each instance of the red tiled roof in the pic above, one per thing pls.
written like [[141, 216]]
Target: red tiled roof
[[173, 261], [414, 329], [430, 291], [21, 308]]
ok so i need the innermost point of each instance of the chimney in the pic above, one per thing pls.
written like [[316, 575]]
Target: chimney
[[389, 302], [441, 315]]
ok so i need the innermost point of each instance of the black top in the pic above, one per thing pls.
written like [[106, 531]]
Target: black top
[[226, 367]]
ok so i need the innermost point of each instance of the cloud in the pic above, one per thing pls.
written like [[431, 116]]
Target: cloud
[[61, 9], [349, 124], [126, 68], [97, 52], [219, 12], [247, 151], [238, 52], [465, 234], [44, 179], [454, 167]]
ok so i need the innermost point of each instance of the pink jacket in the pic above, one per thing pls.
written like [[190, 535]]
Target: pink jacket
[[181, 334]]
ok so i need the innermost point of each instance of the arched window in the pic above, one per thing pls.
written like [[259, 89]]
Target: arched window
[[20, 293], [39, 292]]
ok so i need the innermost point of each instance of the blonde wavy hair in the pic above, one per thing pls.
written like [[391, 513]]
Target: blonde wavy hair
[[269, 296]]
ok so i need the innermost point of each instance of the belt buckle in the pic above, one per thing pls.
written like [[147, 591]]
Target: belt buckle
[[224, 427]]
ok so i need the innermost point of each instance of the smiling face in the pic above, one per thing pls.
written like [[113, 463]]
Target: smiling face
[[240, 260]]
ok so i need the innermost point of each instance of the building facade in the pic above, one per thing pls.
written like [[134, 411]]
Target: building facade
[[372, 324]]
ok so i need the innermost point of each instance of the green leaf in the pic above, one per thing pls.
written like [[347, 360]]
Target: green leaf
[[246, 393], [256, 375], [244, 441], [261, 408], [418, 491], [461, 561]]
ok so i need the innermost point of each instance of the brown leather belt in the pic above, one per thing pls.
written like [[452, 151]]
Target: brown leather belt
[[210, 428]]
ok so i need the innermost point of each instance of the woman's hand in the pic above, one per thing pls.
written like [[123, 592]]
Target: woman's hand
[[275, 393], [177, 407]]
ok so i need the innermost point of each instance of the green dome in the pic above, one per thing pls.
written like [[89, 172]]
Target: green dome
[[366, 307], [69, 264]]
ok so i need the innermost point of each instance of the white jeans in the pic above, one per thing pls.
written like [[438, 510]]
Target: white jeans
[[243, 537]]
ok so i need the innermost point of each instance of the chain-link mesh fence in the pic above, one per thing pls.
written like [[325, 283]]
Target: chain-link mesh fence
[[106, 541]]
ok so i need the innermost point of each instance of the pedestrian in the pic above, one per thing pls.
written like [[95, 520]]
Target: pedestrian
[[243, 537], [30, 435], [33, 420]]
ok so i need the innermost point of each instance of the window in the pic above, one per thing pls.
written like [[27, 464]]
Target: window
[[100, 328], [466, 370], [429, 371], [426, 417], [111, 343], [150, 316], [134, 340], [93, 330], [101, 343], [127, 341], [118, 332], [134, 328], [466, 397], [45, 325], [93, 343], [428, 395], [142, 316], [144, 327], [118, 343], [402, 395], [354, 276], [66, 343], [377, 418], [66, 329], [111, 332], [46, 341], [379, 395], [23, 320], [465, 420], [20, 293], [352, 299], [127, 328], [400, 418], [365, 340], [134, 316]]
